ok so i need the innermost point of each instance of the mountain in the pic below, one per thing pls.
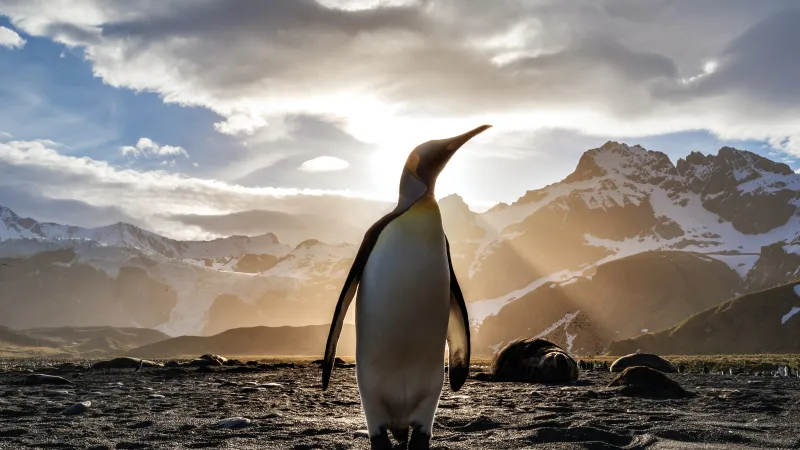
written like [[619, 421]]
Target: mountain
[[276, 341], [733, 218], [622, 200], [619, 299], [14, 227], [76, 341], [766, 321]]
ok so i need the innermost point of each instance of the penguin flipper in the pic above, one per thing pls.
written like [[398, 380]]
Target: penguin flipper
[[457, 332], [349, 290]]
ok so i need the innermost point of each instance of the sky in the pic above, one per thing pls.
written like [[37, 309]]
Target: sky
[[174, 115]]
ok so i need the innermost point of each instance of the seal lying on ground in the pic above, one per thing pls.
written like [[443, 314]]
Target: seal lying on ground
[[124, 362], [533, 361], [643, 359]]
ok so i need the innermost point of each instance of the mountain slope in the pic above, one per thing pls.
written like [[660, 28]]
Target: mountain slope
[[620, 299], [622, 200], [766, 321]]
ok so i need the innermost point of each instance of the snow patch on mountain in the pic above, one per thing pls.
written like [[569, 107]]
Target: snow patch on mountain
[[481, 309], [562, 322]]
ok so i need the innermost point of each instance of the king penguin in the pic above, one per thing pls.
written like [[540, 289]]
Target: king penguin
[[409, 304]]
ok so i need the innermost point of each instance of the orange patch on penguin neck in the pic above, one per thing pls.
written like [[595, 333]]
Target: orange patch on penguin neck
[[412, 162]]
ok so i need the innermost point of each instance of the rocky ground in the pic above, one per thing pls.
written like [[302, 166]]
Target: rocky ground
[[172, 408]]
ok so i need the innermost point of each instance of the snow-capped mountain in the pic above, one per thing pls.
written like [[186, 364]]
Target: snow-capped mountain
[[126, 235], [734, 216]]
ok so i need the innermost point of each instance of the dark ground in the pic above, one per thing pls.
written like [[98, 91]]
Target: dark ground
[[732, 412]]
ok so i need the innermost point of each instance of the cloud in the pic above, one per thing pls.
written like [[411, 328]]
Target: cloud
[[324, 164], [399, 73], [153, 197], [148, 149], [10, 39], [26, 201], [290, 228], [4, 135]]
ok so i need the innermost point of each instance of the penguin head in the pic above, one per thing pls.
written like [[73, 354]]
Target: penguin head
[[426, 161]]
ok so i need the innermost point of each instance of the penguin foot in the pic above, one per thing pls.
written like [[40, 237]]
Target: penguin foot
[[419, 439], [380, 441]]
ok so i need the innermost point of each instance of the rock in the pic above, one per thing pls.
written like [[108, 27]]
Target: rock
[[155, 397], [232, 362], [250, 390], [77, 408], [270, 385], [234, 422], [361, 434], [125, 362], [40, 378], [13, 432], [337, 362], [643, 359], [641, 381], [533, 361]]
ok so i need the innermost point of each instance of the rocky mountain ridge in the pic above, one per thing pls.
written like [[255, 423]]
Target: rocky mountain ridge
[[120, 234], [736, 208]]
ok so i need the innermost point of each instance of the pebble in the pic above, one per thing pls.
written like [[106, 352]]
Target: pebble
[[270, 385], [361, 434], [77, 408], [156, 397], [234, 422]]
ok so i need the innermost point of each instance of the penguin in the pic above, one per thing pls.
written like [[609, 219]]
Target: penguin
[[409, 304]]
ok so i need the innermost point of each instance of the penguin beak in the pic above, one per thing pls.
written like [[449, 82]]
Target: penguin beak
[[454, 143], [427, 161], [446, 148]]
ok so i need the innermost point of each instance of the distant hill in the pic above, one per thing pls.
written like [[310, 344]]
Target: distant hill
[[767, 321], [76, 341], [12, 337], [300, 341], [128, 336]]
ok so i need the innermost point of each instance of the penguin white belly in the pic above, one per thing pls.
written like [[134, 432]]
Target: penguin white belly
[[402, 312]]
